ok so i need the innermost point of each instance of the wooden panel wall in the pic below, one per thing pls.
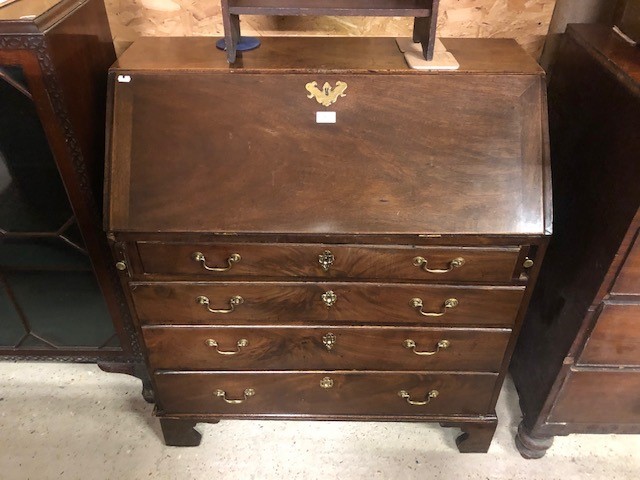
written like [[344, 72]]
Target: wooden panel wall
[[525, 20]]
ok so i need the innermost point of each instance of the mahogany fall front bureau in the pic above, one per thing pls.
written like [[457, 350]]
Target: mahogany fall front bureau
[[319, 232]]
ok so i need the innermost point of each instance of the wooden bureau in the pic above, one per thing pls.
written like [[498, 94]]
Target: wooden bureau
[[375, 268]]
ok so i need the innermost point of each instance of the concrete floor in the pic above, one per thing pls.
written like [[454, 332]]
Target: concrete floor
[[76, 422]]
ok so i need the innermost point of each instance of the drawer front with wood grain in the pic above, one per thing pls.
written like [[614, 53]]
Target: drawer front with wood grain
[[324, 393], [468, 264], [615, 340], [232, 303], [325, 348], [628, 280], [592, 397]]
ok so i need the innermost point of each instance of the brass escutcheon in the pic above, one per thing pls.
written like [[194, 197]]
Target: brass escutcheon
[[233, 303], [233, 258], [328, 94], [325, 259], [329, 340], [448, 304], [248, 392], [407, 396], [326, 382], [441, 345], [329, 298], [243, 342], [422, 262]]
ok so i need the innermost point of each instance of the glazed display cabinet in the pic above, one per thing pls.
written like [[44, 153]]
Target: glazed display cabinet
[[60, 297]]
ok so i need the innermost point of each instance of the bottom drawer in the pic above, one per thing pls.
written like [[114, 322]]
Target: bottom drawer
[[331, 393], [599, 397], [615, 340]]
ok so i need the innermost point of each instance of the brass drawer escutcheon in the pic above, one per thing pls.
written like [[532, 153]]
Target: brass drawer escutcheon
[[326, 259], [233, 258], [233, 303], [328, 94], [329, 340], [448, 304], [249, 392], [453, 264], [329, 298], [243, 342], [326, 382], [441, 345], [407, 396]]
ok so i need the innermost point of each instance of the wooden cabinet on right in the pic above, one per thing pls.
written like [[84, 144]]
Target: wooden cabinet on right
[[577, 362]]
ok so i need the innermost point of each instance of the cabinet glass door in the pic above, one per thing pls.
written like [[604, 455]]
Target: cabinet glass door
[[49, 297]]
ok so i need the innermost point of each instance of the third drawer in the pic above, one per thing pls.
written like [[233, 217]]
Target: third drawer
[[325, 348]]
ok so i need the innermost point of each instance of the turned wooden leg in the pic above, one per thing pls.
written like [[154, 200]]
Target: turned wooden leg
[[476, 436], [180, 433], [531, 446]]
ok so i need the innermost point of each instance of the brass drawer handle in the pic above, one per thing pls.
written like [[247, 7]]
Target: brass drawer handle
[[329, 340], [249, 392], [329, 298], [430, 396], [233, 258], [233, 303], [448, 303], [326, 259], [441, 345], [243, 342], [422, 262]]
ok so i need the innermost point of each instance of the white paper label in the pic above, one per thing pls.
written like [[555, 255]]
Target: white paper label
[[124, 78], [325, 117]]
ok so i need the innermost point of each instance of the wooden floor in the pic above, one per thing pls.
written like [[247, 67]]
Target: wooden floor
[[76, 422]]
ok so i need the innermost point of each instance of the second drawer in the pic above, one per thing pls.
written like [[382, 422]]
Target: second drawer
[[238, 303], [325, 348]]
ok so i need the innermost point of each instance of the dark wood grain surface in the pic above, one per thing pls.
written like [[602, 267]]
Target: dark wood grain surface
[[357, 348], [302, 303], [490, 265], [300, 393], [484, 145]]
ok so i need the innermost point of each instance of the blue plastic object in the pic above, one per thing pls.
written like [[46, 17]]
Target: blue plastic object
[[244, 44]]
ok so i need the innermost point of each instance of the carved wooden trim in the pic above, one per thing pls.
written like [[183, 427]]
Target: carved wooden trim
[[16, 357]]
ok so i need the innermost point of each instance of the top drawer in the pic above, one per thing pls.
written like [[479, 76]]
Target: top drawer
[[330, 261]]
